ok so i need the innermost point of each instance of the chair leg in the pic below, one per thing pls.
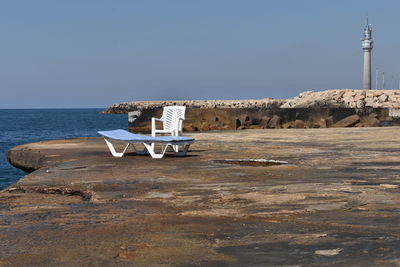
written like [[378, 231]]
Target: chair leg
[[113, 151]]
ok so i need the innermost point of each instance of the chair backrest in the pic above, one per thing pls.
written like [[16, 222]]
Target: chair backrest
[[173, 117]]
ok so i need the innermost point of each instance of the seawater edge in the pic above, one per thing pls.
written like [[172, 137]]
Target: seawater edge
[[21, 126]]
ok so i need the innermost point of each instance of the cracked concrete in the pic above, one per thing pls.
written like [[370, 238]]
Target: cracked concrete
[[336, 202]]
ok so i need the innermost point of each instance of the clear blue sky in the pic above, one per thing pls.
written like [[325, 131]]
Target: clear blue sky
[[93, 53]]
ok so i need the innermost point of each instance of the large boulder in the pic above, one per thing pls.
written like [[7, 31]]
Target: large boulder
[[245, 119], [264, 122], [349, 121], [298, 124], [368, 121], [274, 122]]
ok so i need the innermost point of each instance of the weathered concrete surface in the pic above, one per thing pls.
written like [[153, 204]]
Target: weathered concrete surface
[[337, 202]]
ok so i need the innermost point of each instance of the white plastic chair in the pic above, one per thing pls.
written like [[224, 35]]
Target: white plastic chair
[[172, 119]]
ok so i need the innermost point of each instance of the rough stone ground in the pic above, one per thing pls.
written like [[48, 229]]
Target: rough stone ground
[[337, 202]]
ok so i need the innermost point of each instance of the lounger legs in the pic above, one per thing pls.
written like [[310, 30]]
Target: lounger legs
[[113, 151], [150, 149], [120, 154]]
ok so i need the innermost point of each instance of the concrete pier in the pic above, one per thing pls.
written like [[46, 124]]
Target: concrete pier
[[335, 203]]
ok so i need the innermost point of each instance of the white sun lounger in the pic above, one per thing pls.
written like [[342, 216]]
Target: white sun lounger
[[131, 139]]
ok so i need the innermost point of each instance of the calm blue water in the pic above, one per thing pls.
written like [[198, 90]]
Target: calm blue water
[[20, 126]]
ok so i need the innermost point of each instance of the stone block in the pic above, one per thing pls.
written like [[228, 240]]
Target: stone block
[[352, 104], [377, 93], [236, 122], [133, 115], [369, 102], [329, 121], [360, 104], [359, 97], [383, 98], [298, 124], [322, 123], [275, 122], [244, 119], [349, 94], [264, 121], [349, 121]]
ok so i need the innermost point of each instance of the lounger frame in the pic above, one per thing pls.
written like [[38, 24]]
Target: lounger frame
[[150, 148]]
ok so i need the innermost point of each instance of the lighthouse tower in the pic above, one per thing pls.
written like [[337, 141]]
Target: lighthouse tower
[[367, 47]]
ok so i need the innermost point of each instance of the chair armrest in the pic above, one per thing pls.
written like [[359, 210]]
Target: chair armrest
[[153, 125]]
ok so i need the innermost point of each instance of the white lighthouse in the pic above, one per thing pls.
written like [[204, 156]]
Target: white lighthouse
[[367, 47]]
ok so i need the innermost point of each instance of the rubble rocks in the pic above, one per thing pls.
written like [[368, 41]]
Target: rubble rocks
[[125, 107], [346, 98]]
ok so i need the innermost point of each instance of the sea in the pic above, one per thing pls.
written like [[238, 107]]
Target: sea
[[21, 126]]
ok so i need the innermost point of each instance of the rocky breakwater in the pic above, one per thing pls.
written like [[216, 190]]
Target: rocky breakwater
[[202, 115], [126, 107], [347, 108], [346, 98], [321, 109]]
